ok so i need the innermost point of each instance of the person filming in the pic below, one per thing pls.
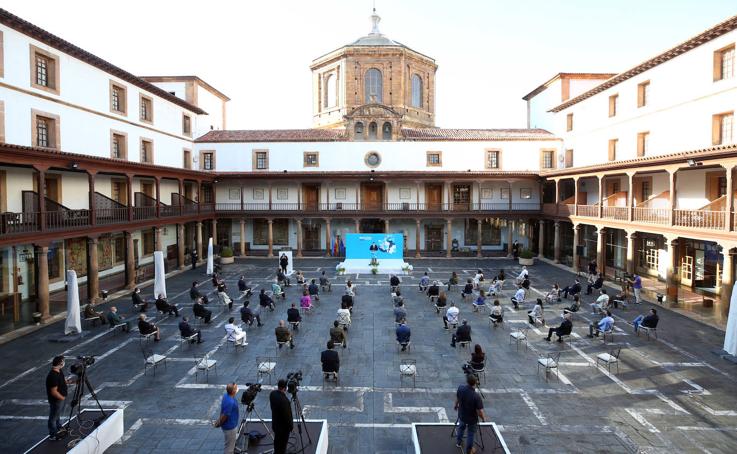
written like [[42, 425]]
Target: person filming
[[282, 421], [56, 392], [470, 410]]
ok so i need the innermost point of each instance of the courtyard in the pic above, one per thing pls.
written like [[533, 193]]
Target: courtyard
[[669, 394]]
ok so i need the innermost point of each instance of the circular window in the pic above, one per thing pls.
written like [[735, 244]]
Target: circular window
[[372, 159]]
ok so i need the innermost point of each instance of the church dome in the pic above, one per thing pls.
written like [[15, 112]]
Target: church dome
[[375, 38]]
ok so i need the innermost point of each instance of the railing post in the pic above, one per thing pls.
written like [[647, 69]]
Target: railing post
[[729, 206], [601, 196], [129, 197], [158, 196], [672, 196], [42, 197], [91, 197]]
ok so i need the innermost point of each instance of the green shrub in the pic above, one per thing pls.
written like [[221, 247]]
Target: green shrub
[[526, 254], [226, 252]]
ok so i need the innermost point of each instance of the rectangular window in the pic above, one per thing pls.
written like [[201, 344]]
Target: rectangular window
[[118, 98], [146, 109], [147, 151], [643, 93], [42, 132], [493, 159], [311, 159], [260, 159], [569, 158], [547, 159], [722, 127], [724, 63], [642, 143], [613, 105], [279, 228], [186, 125], [434, 159], [45, 130], [119, 191], [187, 158], [613, 149], [118, 145], [208, 161], [646, 189], [208, 195], [44, 70], [490, 233], [148, 242], [569, 122]]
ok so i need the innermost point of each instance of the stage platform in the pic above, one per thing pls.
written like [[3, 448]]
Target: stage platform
[[317, 428], [435, 438], [99, 433]]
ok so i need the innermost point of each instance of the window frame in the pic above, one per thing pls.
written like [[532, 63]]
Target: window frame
[[613, 105], [643, 143], [54, 130], [568, 161], [213, 160], [643, 93], [141, 99], [367, 86], [429, 163], [544, 154], [122, 100], [569, 122], [330, 79], [316, 154], [612, 152], [487, 156], [52, 74], [124, 135], [187, 158], [255, 158], [717, 123], [186, 120], [719, 63], [416, 88], [141, 143]]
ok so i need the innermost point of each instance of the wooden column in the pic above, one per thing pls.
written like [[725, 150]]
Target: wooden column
[[417, 238], [327, 237], [198, 241], [214, 231], [630, 196], [91, 197], [157, 239], [269, 196], [725, 293], [41, 184], [129, 190], [180, 183], [730, 199], [270, 252], [417, 195], [510, 196], [130, 261], [386, 225], [42, 280], [243, 205], [158, 196], [557, 196], [671, 279], [180, 246], [575, 196], [510, 231], [631, 237], [358, 225], [672, 196], [601, 196], [601, 249], [93, 277], [449, 237], [576, 258], [479, 231], [243, 238], [299, 238], [541, 239], [556, 242]]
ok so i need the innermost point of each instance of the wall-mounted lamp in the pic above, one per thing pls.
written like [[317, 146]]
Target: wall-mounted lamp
[[692, 163], [74, 165]]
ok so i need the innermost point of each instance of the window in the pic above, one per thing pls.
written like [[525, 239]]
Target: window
[[147, 109], [493, 159], [547, 159], [330, 91], [279, 228], [646, 189], [490, 233], [311, 159], [118, 98], [373, 86], [613, 105], [416, 91], [386, 131], [44, 70], [208, 194], [186, 125], [613, 149], [118, 145], [118, 249], [148, 242], [372, 159], [642, 143], [207, 160], [643, 93], [358, 130], [724, 63], [722, 126], [569, 158], [372, 134], [260, 159], [119, 191], [434, 158], [569, 122], [147, 151], [187, 158], [44, 129]]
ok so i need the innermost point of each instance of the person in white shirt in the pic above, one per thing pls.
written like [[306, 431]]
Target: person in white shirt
[[235, 333], [536, 312], [225, 300], [518, 297], [479, 277], [451, 315], [522, 275], [350, 288], [495, 287], [344, 316], [497, 313], [601, 304]]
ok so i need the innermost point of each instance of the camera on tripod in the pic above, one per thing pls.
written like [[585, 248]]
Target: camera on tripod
[[82, 363], [293, 380], [469, 370], [249, 395]]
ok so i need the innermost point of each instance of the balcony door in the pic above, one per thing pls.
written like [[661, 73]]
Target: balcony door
[[372, 197], [461, 197], [433, 196], [311, 197], [311, 237], [433, 238], [687, 270]]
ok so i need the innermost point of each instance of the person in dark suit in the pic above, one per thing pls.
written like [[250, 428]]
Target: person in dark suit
[[293, 315], [199, 310], [337, 334], [403, 335], [282, 421], [330, 359], [596, 285], [186, 331], [138, 301], [194, 292], [265, 300], [163, 306], [147, 327], [462, 334], [348, 300], [573, 289], [248, 316], [564, 329]]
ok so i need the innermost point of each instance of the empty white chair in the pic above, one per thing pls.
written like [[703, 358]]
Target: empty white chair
[[407, 369], [609, 358]]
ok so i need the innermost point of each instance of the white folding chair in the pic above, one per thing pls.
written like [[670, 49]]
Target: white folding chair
[[203, 363], [549, 362], [609, 358], [265, 366], [407, 369], [152, 360]]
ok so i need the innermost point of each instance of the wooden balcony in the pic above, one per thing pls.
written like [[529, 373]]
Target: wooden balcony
[[651, 215], [591, 211], [618, 213], [699, 219], [378, 209]]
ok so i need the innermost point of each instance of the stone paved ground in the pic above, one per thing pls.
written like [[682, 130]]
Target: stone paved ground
[[670, 394]]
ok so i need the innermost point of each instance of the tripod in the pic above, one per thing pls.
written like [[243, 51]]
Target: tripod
[[82, 381], [479, 442], [242, 431], [301, 423]]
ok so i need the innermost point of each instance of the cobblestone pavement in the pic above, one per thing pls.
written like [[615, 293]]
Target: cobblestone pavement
[[671, 394]]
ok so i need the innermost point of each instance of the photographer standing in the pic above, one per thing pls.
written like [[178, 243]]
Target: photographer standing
[[281, 417], [470, 410], [228, 420], [56, 392]]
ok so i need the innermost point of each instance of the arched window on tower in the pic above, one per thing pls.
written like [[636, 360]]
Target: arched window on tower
[[330, 91], [372, 131], [358, 130], [373, 86], [416, 91], [386, 131]]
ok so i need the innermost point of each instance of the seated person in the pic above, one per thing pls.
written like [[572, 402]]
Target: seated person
[[116, 319], [265, 300], [330, 359], [649, 321], [162, 305], [501, 276], [495, 287], [575, 306], [198, 309], [234, 332], [462, 334], [194, 292], [573, 289], [282, 278], [244, 288], [350, 288], [451, 315], [602, 302], [497, 313], [305, 302], [526, 283], [524, 274], [441, 302], [596, 285], [403, 335], [453, 280], [480, 300], [277, 291], [248, 315], [519, 297], [394, 282], [225, 299], [348, 301], [605, 324], [138, 301], [564, 329], [344, 316], [325, 282], [300, 278], [478, 358], [337, 334], [397, 297], [467, 289], [293, 315], [433, 290], [146, 328], [400, 313], [424, 282], [621, 297], [216, 281], [186, 331], [314, 290], [283, 335], [553, 294], [478, 278], [536, 312], [91, 313]]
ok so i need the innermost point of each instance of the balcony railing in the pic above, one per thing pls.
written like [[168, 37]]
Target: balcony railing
[[144, 212], [591, 211], [169, 211], [367, 207], [699, 219], [67, 219], [565, 209], [618, 213], [105, 216], [14, 223], [651, 215]]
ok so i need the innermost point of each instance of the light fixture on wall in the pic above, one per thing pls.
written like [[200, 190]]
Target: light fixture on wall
[[74, 165], [692, 163]]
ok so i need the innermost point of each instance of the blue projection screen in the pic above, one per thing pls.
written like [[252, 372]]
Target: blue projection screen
[[388, 246]]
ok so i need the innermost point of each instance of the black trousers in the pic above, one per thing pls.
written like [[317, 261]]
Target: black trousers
[[280, 442]]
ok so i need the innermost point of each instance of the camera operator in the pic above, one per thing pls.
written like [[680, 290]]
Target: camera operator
[[56, 392], [228, 420], [282, 421], [470, 410]]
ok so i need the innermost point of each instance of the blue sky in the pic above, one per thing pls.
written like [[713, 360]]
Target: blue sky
[[490, 53]]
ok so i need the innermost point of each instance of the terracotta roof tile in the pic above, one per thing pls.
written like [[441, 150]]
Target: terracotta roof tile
[[274, 135], [421, 134]]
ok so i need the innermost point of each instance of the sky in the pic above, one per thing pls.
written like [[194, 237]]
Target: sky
[[489, 53]]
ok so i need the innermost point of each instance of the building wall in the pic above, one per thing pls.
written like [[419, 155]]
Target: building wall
[[214, 106]]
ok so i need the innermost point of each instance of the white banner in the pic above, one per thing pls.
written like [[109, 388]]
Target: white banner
[[210, 265], [730, 338], [73, 324], [159, 275]]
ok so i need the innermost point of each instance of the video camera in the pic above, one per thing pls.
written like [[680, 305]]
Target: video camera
[[469, 370], [249, 395], [82, 363], [293, 380]]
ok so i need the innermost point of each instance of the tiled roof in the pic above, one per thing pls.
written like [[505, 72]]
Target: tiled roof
[[577, 76], [421, 134], [275, 135], [35, 32], [702, 38]]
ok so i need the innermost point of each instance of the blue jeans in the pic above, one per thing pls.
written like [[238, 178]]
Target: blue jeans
[[54, 416], [471, 432], [636, 322]]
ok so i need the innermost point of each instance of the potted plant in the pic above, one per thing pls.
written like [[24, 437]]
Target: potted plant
[[374, 270], [226, 255], [340, 270], [407, 268], [526, 257]]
